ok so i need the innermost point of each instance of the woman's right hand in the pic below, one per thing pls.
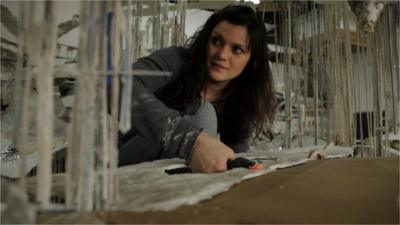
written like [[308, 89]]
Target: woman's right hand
[[210, 154]]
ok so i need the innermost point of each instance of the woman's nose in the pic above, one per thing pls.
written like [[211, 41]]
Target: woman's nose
[[223, 53]]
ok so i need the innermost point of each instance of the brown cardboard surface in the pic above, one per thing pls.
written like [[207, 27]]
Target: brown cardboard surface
[[322, 191]]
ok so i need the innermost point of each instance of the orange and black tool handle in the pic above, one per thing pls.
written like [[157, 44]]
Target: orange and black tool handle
[[245, 163]]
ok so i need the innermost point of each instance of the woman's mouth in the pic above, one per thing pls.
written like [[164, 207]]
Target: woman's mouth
[[217, 65]]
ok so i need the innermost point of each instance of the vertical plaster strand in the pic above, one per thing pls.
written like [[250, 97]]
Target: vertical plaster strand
[[164, 24], [115, 88], [381, 60], [176, 26], [383, 32], [183, 21], [338, 75], [279, 33], [180, 22], [392, 64], [156, 24], [315, 61], [321, 72], [124, 27], [168, 24], [299, 55], [386, 76], [173, 26], [370, 73], [327, 67], [78, 158], [358, 89], [328, 58], [300, 52], [396, 64], [22, 130], [71, 169], [45, 114], [75, 126], [84, 107], [137, 45], [86, 174], [330, 31], [377, 84], [334, 52], [306, 70], [72, 151], [353, 82], [137, 37], [287, 76], [348, 78], [344, 73], [263, 11], [18, 78], [391, 68], [327, 78], [101, 123], [83, 203], [118, 26], [299, 77], [303, 63]]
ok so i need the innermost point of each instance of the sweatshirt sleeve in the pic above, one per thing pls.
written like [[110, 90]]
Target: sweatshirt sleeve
[[150, 117]]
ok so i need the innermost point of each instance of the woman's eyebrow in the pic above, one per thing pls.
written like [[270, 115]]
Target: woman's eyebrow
[[241, 45], [217, 34]]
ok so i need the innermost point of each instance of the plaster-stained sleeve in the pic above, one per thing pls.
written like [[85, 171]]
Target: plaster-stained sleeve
[[165, 126], [151, 118]]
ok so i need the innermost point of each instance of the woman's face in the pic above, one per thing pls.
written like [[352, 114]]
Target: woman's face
[[228, 52]]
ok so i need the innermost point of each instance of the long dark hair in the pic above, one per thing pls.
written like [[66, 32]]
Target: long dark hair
[[248, 102]]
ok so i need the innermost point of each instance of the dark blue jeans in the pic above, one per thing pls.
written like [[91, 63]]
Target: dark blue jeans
[[140, 149]]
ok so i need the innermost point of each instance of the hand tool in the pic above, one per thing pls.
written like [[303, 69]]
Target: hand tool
[[231, 164]]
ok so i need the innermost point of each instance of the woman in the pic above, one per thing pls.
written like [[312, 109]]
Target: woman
[[220, 93]]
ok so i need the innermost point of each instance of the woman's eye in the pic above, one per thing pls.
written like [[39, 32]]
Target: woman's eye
[[237, 50], [215, 41]]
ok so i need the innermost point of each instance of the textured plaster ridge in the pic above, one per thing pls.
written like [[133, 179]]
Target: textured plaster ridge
[[146, 187]]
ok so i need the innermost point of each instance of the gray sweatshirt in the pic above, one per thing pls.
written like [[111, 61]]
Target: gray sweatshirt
[[151, 118]]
